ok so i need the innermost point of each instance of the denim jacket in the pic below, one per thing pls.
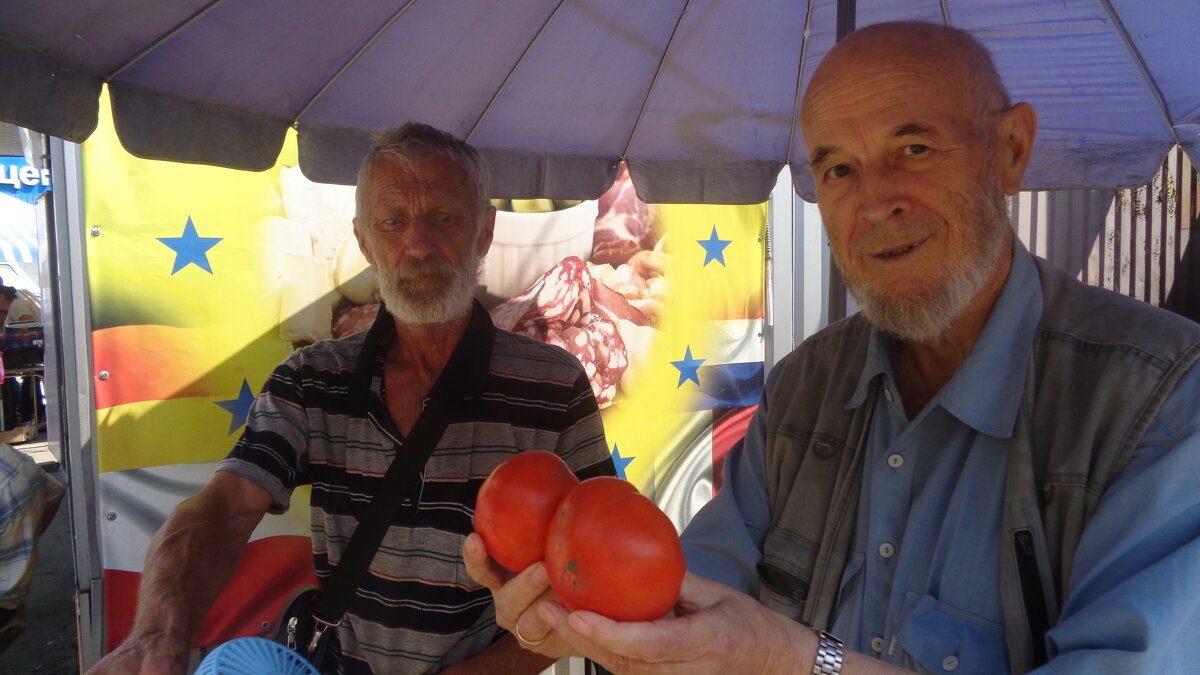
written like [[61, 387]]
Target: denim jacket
[[1101, 367]]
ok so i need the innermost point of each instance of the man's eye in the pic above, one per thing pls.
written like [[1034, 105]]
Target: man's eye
[[445, 219], [391, 222], [838, 171], [915, 149]]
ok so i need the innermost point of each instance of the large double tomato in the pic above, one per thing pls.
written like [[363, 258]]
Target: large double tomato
[[608, 549]]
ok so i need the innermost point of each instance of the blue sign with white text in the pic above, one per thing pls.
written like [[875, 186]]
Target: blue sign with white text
[[19, 179]]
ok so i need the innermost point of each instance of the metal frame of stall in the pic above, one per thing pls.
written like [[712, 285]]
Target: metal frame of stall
[[70, 403]]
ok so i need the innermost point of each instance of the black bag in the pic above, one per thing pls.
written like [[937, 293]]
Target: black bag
[[295, 631], [309, 622]]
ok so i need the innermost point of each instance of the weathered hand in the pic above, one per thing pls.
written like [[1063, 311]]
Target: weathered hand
[[715, 629], [517, 598]]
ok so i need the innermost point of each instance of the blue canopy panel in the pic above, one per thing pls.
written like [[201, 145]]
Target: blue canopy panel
[[699, 97]]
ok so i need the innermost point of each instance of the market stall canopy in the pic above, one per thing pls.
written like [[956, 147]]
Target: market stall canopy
[[18, 231], [699, 96]]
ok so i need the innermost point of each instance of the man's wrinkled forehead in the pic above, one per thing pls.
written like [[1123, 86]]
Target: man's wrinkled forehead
[[905, 72], [429, 172]]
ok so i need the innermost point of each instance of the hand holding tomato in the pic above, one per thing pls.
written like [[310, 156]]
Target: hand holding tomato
[[607, 548], [517, 597], [715, 629]]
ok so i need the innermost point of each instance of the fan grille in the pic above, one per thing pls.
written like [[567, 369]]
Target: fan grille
[[254, 656]]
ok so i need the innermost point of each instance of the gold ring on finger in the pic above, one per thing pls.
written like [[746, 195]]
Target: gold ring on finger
[[524, 640]]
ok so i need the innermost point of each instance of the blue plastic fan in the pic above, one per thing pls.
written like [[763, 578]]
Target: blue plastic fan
[[254, 656]]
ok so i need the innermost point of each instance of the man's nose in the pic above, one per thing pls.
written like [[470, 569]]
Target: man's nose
[[420, 240], [881, 193]]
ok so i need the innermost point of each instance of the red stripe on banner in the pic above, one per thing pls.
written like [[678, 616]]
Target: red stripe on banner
[[120, 602], [729, 426], [269, 571]]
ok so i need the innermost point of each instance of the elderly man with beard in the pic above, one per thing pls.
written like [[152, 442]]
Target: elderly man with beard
[[991, 469], [336, 413]]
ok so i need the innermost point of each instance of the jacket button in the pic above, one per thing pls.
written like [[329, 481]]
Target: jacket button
[[887, 550], [877, 645], [950, 664], [895, 461]]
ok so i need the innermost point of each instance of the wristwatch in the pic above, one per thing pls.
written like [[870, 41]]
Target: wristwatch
[[830, 652]]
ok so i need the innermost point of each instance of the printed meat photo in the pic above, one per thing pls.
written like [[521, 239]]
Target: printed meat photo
[[625, 224], [604, 309], [570, 308]]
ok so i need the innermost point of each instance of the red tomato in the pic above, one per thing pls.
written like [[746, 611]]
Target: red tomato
[[613, 552], [516, 503]]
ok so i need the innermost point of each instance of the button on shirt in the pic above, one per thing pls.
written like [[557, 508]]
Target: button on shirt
[[921, 586]]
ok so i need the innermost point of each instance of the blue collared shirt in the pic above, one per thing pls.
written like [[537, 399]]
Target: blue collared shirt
[[933, 491], [921, 587]]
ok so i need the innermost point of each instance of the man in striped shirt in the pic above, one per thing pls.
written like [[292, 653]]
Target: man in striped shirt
[[335, 414]]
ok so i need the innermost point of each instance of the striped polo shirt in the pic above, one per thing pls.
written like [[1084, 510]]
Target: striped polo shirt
[[322, 420]]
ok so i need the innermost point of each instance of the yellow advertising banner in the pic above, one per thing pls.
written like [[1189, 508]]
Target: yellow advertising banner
[[204, 279]]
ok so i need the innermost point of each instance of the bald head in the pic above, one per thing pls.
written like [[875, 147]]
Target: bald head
[[912, 144], [953, 50]]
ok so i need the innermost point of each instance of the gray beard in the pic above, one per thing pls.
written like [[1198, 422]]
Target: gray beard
[[444, 298], [929, 315]]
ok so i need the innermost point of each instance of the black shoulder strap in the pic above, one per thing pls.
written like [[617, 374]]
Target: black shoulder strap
[[405, 468]]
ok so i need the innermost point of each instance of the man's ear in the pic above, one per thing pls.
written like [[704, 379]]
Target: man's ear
[[484, 241], [1014, 144], [362, 239]]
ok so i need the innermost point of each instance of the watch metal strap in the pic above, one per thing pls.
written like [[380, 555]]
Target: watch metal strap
[[830, 652]]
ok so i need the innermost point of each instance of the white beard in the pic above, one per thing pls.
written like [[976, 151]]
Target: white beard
[[443, 297], [931, 313]]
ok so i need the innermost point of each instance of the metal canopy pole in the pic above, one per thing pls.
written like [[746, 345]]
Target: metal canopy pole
[[846, 14], [71, 422], [846, 11]]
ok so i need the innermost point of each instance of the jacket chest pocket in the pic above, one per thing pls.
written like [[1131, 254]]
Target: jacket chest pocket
[[939, 638], [785, 572]]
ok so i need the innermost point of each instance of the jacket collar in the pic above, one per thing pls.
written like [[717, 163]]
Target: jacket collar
[[985, 393]]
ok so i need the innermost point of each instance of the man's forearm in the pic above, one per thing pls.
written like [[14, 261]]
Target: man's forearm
[[189, 562], [503, 657]]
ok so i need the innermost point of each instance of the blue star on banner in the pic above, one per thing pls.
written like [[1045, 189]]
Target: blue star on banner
[[688, 368], [190, 248], [714, 247], [620, 462], [238, 407]]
